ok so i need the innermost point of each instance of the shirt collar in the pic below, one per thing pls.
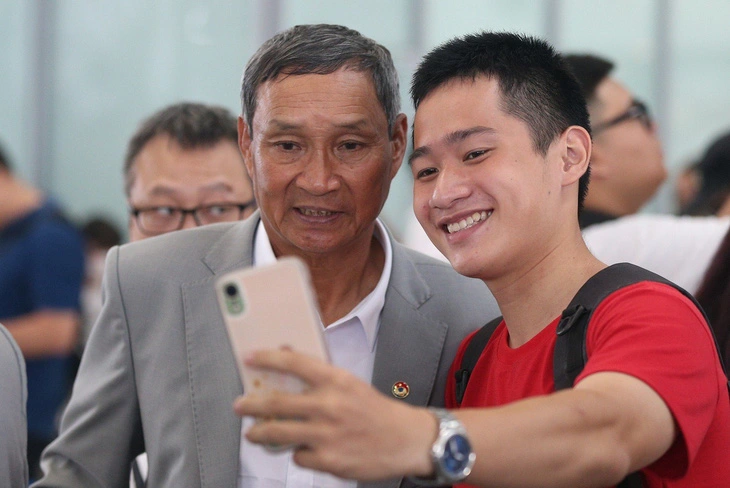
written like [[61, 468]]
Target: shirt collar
[[368, 311]]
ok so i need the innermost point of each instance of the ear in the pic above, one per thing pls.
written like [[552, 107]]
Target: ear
[[244, 144], [398, 142], [576, 154], [599, 167]]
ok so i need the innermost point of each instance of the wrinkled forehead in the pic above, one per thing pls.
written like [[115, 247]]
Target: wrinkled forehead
[[343, 98]]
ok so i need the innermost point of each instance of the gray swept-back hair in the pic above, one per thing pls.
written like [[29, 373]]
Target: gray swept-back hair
[[321, 49]]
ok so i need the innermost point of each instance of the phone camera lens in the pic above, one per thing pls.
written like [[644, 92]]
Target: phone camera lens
[[231, 290]]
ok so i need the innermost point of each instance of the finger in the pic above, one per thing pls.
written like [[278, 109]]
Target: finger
[[312, 370], [281, 432], [273, 405]]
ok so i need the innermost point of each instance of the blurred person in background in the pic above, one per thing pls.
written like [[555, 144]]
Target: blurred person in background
[[100, 234], [627, 168], [680, 248], [713, 173], [627, 163], [183, 169], [41, 272], [686, 185], [714, 295]]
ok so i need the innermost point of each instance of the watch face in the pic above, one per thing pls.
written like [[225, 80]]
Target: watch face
[[457, 452]]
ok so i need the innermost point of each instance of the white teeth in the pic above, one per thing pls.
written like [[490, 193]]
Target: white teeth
[[316, 213], [468, 222]]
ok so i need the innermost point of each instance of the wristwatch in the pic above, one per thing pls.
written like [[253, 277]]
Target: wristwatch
[[451, 453]]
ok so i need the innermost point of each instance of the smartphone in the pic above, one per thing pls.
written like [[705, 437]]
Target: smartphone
[[271, 307]]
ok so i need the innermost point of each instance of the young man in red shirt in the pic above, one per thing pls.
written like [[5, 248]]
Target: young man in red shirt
[[502, 145]]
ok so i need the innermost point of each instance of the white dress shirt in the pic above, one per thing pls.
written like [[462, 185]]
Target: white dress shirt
[[351, 342]]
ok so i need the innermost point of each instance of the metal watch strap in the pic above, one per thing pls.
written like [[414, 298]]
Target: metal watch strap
[[448, 425]]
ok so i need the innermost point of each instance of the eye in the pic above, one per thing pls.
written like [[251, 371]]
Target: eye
[[287, 146], [215, 210], [164, 211], [475, 154], [425, 173], [351, 146]]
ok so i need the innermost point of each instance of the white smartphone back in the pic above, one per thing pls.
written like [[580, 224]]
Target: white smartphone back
[[271, 307]]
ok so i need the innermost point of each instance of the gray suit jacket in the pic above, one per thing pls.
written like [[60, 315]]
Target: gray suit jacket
[[13, 423], [158, 373]]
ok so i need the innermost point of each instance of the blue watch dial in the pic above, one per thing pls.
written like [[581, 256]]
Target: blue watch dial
[[456, 454]]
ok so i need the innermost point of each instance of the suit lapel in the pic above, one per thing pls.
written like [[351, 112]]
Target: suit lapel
[[212, 370], [409, 343], [409, 350]]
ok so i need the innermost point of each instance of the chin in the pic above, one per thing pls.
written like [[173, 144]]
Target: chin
[[462, 265]]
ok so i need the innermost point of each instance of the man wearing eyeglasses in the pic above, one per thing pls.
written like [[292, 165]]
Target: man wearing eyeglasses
[[626, 170], [183, 169], [627, 164]]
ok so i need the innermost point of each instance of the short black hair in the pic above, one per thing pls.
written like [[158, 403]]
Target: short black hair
[[191, 125], [536, 84], [714, 170], [101, 232], [590, 70]]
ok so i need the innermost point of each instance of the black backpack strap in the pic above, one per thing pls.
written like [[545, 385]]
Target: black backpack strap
[[570, 348], [471, 355], [634, 480], [570, 355]]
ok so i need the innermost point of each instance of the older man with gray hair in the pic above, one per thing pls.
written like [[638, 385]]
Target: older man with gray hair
[[321, 137]]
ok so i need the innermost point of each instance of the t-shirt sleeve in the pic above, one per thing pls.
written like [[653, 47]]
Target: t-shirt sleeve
[[56, 266], [654, 333]]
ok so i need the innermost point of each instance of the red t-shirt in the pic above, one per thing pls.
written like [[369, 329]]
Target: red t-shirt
[[649, 331]]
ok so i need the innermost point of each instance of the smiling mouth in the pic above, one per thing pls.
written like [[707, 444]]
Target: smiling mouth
[[470, 221], [315, 213]]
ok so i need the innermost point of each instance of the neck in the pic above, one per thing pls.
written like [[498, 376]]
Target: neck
[[16, 199], [342, 278], [532, 297]]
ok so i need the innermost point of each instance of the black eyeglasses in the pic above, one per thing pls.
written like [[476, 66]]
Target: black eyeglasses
[[162, 219], [636, 111]]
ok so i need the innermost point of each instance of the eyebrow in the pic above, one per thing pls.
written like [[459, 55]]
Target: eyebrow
[[450, 139], [211, 188]]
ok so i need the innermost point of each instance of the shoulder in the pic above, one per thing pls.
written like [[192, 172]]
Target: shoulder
[[179, 248], [651, 315], [48, 225], [650, 296], [433, 285], [435, 272]]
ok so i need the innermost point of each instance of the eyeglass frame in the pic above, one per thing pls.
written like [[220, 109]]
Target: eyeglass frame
[[636, 111], [184, 212]]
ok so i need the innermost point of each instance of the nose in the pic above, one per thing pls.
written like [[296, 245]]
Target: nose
[[320, 173], [450, 186], [189, 221]]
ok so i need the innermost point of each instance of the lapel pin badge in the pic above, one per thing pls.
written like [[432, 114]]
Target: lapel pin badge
[[401, 389]]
